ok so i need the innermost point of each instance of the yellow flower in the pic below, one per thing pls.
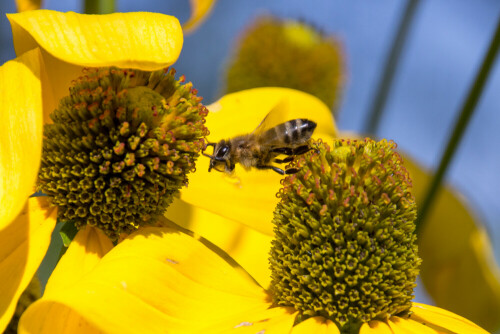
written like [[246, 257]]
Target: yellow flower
[[446, 270], [168, 279], [52, 49]]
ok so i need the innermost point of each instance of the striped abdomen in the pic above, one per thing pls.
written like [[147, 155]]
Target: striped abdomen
[[292, 133]]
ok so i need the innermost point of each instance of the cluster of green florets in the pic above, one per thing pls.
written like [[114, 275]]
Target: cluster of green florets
[[120, 146], [345, 247], [280, 53]]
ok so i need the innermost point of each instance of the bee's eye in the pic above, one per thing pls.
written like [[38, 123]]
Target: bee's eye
[[222, 152]]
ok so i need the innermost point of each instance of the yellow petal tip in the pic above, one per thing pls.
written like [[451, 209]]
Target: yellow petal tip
[[147, 41]]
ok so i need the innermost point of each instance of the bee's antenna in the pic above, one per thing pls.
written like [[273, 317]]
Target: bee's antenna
[[213, 157], [209, 144]]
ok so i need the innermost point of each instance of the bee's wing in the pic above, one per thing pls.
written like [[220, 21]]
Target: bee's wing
[[276, 116]]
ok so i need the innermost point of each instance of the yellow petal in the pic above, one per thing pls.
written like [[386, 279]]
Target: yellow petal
[[316, 325], [249, 197], [24, 5], [49, 317], [274, 320], [399, 325], [200, 9], [23, 246], [444, 319], [21, 132], [375, 327], [83, 254], [71, 41], [156, 279], [245, 245], [458, 269], [147, 41], [188, 256]]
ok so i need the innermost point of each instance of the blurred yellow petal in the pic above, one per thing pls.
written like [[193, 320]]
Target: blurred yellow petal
[[156, 279], [241, 113], [200, 9], [24, 5], [71, 41], [245, 245], [459, 270], [83, 254], [24, 243], [440, 318], [21, 132], [375, 327], [316, 325]]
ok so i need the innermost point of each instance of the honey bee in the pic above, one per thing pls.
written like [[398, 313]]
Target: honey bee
[[261, 148]]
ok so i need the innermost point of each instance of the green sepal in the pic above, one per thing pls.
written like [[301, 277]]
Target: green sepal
[[68, 232]]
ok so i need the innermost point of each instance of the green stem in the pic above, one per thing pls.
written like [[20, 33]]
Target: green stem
[[99, 6], [462, 122], [390, 67]]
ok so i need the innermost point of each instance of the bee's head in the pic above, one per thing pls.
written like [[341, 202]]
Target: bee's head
[[219, 159]]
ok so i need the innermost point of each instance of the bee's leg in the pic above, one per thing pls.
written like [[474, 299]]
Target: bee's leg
[[292, 151], [276, 169], [279, 170], [207, 145], [283, 150], [291, 171], [301, 149], [282, 161], [229, 166]]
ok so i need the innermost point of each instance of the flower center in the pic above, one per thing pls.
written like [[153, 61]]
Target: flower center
[[345, 247], [284, 53], [300, 34], [120, 147]]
